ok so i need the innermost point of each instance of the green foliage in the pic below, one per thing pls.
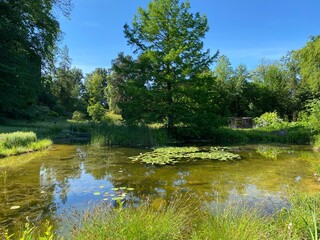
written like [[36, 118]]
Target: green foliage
[[31, 232], [78, 116], [316, 143], [17, 139], [106, 134], [143, 222], [269, 151], [21, 142], [231, 222], [170, 65], [96, 87], [67, 86], [113, 118], [172, 155], [96, 111], [29, 30], [311, 116], [309, 58], [268, 119]]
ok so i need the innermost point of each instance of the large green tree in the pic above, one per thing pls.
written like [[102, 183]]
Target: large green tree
[[28, 32], [309, 64], [96, 91], [168, 39]]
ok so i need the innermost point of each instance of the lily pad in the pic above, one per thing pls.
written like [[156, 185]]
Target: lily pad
[[115, 189], [130, 189], [173, 155], [97, 193]]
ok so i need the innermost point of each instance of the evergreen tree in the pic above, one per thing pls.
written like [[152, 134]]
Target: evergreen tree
[[168, 40]]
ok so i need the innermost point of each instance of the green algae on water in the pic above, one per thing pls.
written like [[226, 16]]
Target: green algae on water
[[172, 155]]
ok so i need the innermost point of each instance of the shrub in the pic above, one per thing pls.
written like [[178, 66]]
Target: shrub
[[268, 119], [96, 111], [112, 117], [78, 116]]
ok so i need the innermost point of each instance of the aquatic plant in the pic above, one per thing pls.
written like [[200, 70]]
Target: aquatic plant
[[172, 155]]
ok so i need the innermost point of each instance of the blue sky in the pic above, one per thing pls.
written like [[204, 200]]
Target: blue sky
[[244, 30]]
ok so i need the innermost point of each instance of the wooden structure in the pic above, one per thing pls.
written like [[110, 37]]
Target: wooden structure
[[238, 122]]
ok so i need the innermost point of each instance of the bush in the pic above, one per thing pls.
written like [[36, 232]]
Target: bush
[[78, 116], [268, 119], [113, 118], [311, 116], [96, 111]]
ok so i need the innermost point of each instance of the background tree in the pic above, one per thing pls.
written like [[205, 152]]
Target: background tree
[[28, 33], [121, 72], [96, 91], [273, 83], [168, 38], [309, 64], [67, 86]]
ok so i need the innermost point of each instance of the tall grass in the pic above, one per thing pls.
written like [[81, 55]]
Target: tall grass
[[21, 142], [104, 133], [232, 222], [143, 222], [182, 220]]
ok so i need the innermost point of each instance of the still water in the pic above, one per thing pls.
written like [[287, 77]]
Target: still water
[[47, 184]]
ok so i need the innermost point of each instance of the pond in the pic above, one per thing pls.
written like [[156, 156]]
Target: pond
[[51, 184]]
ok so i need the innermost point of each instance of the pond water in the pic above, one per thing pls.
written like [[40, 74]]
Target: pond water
[[43, 185]]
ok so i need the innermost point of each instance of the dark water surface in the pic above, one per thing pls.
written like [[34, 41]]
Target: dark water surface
[[67, 177]]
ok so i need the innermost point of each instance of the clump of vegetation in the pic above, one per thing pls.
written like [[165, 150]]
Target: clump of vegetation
[[268, 119], [21, 142], [269, 151], [172, 155], [107, 134], [78, 116], [179, 219], [143, 222], [316, 144]]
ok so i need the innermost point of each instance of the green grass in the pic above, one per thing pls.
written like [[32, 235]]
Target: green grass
[[105, 133], [143, 222], [180, 219], [21, 142], [113, 131]]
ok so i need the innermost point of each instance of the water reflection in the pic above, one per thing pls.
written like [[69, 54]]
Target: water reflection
[[47, 184]]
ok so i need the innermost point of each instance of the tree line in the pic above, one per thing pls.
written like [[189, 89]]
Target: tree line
[[169, 79]]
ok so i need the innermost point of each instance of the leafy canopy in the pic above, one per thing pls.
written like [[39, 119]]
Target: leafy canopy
[[168, 40]]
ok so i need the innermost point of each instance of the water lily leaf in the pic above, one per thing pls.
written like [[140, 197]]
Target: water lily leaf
[[97, 193], [105, 199], [115, 189], [101, 186], [130, 189], [15, 207], [112, 195], [122, 188]]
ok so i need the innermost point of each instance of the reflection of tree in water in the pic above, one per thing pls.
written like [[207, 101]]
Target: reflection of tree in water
[[32, 186], [269, 151], [253, 179]]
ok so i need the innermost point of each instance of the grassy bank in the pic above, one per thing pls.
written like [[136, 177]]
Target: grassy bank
[[179, 220], [110, 133], [21, 142]]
